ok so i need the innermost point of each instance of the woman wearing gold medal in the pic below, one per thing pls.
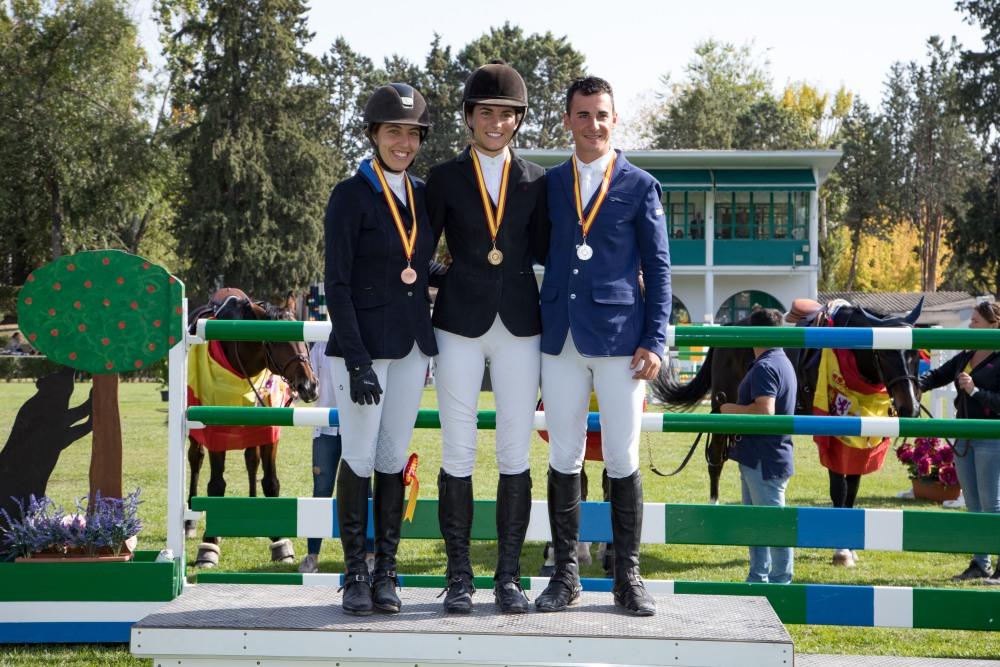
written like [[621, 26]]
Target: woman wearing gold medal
[[490, 204], [378, 246]]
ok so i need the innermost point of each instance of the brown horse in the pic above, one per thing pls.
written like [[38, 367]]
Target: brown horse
[[724, 368], [289, 360]]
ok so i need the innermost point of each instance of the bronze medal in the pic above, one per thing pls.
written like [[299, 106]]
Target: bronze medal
[[494, 257], [408, 275]]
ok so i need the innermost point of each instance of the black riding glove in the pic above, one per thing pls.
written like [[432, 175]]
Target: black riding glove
[[365, 389]]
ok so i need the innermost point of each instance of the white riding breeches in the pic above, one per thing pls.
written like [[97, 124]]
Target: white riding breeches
[[377, 437], [567, 381], [514, 372]]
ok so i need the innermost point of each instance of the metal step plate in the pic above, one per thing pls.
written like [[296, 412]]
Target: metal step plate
[[226, 624]]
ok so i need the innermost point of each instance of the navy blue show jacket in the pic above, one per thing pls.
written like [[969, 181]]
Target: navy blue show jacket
[[375, 315]]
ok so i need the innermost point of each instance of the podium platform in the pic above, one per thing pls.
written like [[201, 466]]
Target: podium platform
[[285, 626]]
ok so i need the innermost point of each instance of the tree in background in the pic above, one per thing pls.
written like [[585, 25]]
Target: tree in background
[[979, 99], [80, 166], [442, 83], [346, 78], [723, 83], [259, 168], [862, 176], [933, 152]]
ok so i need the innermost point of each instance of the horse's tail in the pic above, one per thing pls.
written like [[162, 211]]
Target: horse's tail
[[667, 390]]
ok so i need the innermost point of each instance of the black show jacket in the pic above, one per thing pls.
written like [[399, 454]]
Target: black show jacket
[[473, 291]]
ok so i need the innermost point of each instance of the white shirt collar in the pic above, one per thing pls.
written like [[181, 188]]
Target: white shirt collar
[[599, 165], [395, 182], [492, 167], [491, 161]]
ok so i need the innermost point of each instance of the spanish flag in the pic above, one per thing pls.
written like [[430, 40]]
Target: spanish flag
[[213, 381], [840, 390]]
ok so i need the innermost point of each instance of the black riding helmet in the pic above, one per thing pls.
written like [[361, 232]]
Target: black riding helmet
[[496, 83], [397, 103]]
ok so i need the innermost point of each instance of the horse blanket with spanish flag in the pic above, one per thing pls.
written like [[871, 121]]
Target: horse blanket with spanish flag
[[213, 381], [841, 390]]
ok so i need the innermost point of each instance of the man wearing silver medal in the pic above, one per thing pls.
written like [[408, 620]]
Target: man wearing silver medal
[[378, 248], [600, 333], [491, 206]]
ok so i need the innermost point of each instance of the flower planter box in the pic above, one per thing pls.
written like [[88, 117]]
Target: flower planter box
[[935, 491], [74, 558], [103, 555], [75, 601]]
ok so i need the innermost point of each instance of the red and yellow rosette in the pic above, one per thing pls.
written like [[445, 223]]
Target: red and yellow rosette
[[410, 479]]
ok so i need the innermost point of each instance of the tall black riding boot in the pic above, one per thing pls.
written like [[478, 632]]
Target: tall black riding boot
[[564, 521], [513, 514], [388, 505], [352, 513], [626, 530], [455, 519]]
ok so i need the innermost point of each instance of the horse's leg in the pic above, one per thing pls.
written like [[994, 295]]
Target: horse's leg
[[208, 550], [196, 456], [251, 455], [716, 458], [282, 550]]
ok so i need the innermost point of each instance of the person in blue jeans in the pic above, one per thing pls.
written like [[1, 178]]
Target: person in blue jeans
[[766, 462], [326, 449], [976, 375]]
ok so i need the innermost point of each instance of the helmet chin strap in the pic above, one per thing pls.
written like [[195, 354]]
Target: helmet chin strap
[[381, 161]]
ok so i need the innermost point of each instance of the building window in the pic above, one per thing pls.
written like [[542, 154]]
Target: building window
[[685, 212], [762, 215]]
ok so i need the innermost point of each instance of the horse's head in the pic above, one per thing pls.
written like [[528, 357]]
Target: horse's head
[[896, 369], [289, 359]]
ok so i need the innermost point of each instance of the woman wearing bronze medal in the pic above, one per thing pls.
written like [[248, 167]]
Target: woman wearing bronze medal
[[378, 246], [490, 204]]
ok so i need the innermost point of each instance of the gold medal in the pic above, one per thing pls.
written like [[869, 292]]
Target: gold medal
[[494, 257], [408, 275], [585, 252]]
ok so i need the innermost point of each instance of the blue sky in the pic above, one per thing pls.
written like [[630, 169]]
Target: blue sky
[[851, 42]]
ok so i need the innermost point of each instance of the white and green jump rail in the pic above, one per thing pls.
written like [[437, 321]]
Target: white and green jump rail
[[662, 523], [852, 338], [666, 422]]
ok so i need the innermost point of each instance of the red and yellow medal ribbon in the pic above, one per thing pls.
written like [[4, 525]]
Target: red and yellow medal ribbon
[[601, 195], [409, 240], [492, 221], [410, 479]]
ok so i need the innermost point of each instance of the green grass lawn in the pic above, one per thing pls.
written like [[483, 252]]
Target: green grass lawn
[[144, 424]]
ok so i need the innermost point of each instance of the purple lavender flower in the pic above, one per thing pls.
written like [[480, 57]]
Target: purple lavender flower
[[22, 537], [75, 526]]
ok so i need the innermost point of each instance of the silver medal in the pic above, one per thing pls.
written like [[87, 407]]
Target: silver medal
[[584, 252]]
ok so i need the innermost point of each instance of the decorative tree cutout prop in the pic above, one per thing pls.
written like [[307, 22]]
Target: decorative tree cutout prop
[[104, 312]]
